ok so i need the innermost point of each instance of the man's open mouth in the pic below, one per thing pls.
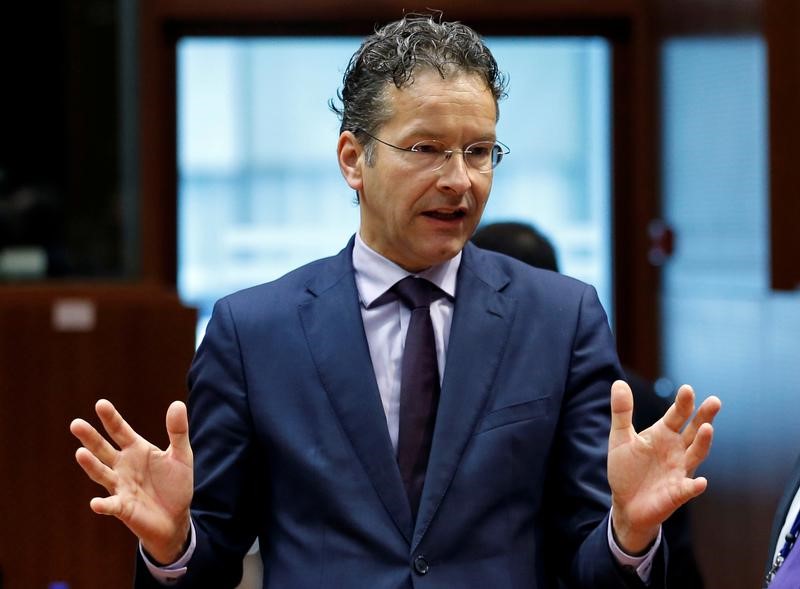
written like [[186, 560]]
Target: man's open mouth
[[446, 216]]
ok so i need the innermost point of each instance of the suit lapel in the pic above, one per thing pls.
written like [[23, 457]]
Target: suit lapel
[[335, 334], [481, 321]]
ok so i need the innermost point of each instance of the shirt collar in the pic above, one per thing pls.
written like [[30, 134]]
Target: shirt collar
[[375, 274]]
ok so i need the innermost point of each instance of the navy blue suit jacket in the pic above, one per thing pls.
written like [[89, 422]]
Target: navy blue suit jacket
[[291, 443]]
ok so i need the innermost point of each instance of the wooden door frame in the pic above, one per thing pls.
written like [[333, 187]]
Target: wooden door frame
[[781, 22]]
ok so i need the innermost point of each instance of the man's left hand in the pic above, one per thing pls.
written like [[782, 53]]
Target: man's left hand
[[651, 473]]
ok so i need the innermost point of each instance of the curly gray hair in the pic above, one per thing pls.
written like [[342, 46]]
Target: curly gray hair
[[393, 54]]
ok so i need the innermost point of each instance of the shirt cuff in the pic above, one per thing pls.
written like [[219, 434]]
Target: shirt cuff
[[171, 573], [643, 564]]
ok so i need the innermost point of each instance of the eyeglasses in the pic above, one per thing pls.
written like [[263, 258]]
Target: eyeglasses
[[482, 156]]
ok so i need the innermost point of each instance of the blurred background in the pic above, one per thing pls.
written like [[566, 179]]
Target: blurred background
[[158, 154]]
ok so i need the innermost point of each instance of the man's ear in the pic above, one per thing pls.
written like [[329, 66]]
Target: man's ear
[[351, 159]]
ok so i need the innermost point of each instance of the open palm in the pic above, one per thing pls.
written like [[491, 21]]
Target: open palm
[[651, 472], [150, 489]]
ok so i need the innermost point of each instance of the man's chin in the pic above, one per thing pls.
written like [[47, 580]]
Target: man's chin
[[447, 251]]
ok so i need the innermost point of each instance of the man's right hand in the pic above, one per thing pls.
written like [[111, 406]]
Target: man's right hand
[[150, 490]]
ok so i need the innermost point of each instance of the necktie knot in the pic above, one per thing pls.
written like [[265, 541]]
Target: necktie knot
[[417, 293]]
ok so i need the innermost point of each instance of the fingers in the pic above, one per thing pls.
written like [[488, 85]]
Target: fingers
[[706, 414], [107, 505], [621, 408], [698, 450], [115, 426], [681, 410], [93, 441], [694, 487], [95, 469], [699, 433], [102, 475], [112, 421], [178, 430], [96, 458], [621, 405]]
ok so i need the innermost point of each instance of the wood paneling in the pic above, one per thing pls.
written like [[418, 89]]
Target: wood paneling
[[709, 17], [136, 355]]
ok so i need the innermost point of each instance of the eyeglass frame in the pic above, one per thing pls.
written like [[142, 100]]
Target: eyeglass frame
[[448, 153]]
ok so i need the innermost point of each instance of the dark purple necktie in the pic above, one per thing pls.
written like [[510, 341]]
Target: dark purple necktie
[[419, 386]]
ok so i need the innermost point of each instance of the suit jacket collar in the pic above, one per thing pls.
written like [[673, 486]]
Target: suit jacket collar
[[334, 330]]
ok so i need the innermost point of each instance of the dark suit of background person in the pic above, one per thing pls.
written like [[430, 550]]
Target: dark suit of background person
[[525, 242], [781, 513], [288, 431]]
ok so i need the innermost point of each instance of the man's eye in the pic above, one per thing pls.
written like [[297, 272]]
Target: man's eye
[[427, 147], [480, 150]]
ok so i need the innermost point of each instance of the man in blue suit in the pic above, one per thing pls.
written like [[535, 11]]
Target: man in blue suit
[[298, 425]]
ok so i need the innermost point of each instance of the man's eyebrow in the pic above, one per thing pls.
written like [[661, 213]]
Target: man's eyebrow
[[422, 134]]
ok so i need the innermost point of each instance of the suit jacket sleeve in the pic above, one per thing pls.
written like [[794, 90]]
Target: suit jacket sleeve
[[228, 496], [578, 486]]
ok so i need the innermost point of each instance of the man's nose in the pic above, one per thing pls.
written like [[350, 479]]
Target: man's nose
[[455, 173]]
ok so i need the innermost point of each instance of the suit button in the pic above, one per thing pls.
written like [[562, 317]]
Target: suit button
[[421, 565]]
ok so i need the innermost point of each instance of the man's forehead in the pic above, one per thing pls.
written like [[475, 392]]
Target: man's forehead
[[429, 93]]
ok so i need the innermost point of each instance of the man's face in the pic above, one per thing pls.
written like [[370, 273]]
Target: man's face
[[414, 216]]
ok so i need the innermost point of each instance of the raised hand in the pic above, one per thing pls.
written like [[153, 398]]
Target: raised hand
[[150, 490], [651, 472]]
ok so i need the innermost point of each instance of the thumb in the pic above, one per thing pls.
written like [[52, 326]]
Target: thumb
[[178, 430], [621, 411]]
